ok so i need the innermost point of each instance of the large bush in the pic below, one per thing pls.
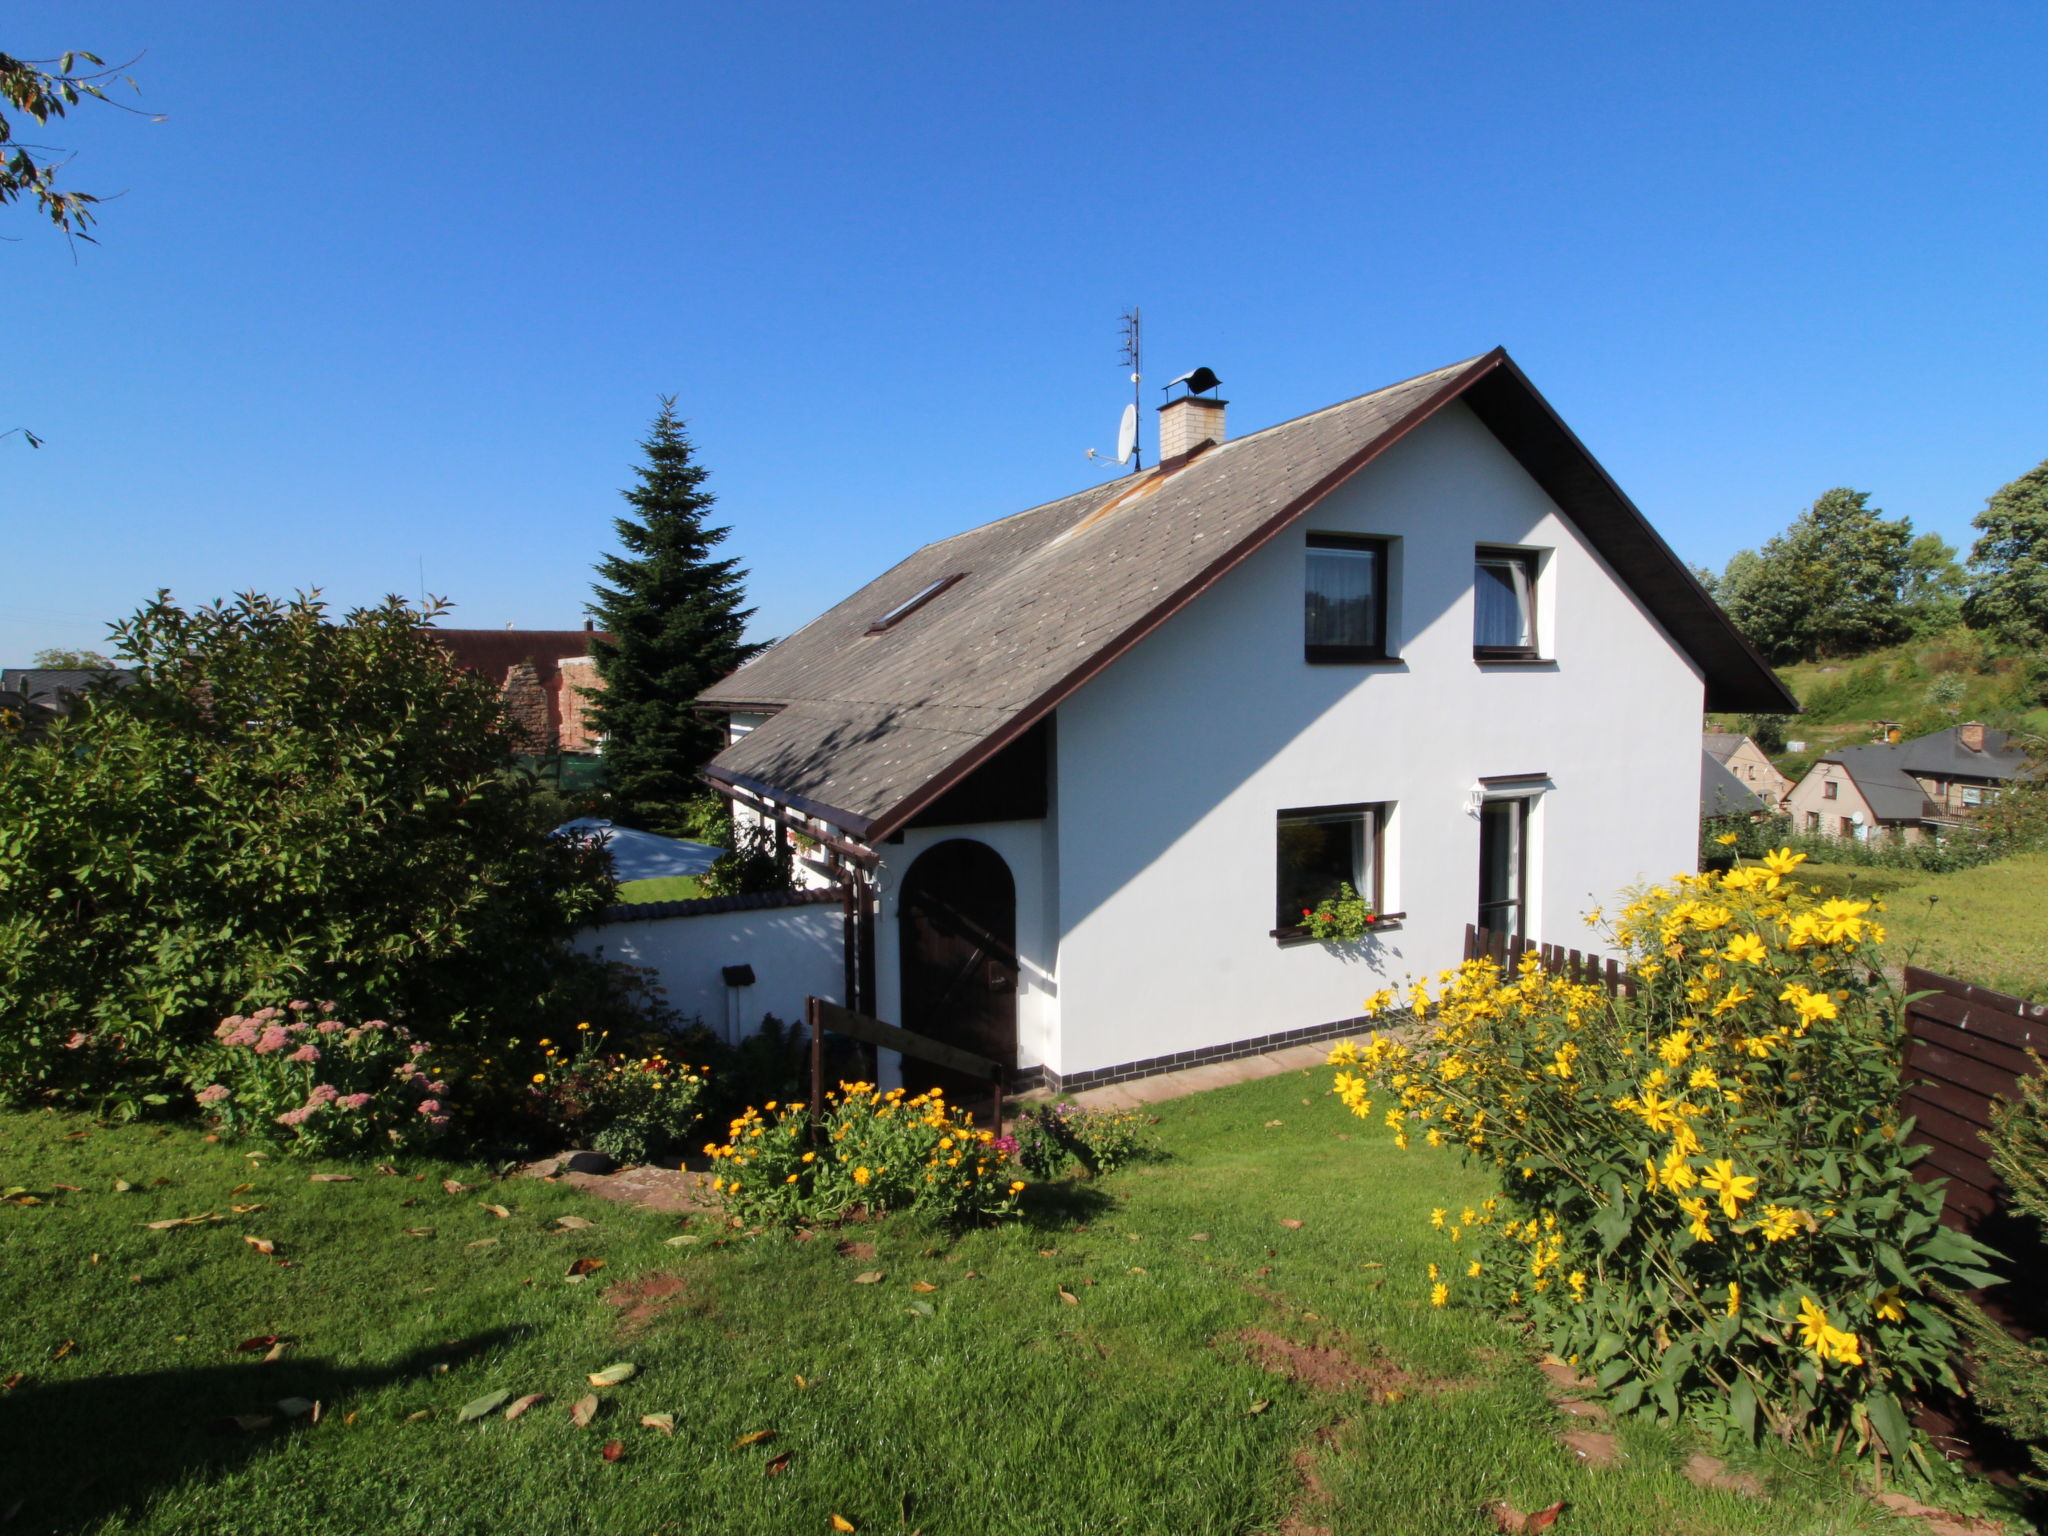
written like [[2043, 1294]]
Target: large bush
[[1706, 1200], [283, 806]]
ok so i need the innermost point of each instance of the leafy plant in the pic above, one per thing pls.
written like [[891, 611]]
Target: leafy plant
[[282, 806], [875, 1149], [317, 1086], [631, 1107], [1707, 1198], [1101, 1140], [1341, 918]]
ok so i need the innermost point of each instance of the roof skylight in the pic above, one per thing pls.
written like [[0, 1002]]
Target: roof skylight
[[903, 611]]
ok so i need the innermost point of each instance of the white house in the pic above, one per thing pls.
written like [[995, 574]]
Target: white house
[[1082, 767]]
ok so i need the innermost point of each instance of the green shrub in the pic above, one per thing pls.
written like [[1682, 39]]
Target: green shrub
[[877, 1150], [318, 1087], [283, 806], [1051, 1136], [631, 1105], [1342, 918], [1706, 1200]]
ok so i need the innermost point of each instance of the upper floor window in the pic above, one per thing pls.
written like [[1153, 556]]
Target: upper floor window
[[1504, 605], [1345, 600], [1829, 789]]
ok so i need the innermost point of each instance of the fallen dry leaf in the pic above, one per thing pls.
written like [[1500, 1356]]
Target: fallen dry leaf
[[665, 1422], [1271, 1123], [260, 1244], [276, 1351], [583, 1410], [924, 1286], [1512, 1522], [179, 1221], [414, 1418], [297, 1407], [521, 1404], [454, 1186], [239, 1189], [249, 1423], [801, 1384], [1135, 1270], [1290, 1223], [613, 1450], [612, 1375], [1069, 1297], [868, 1277], [247, 1210], [1199, 1237], [573, 1223], [1259, 1407], [585, 1267], [477, 1407], [758, 1437], [261, 1341], [419, 1231], [64, 1349], [680, 1242], [482, 1242], [330, 1178], [841, 1523], [386, 1168], [777, 1463], [11, 1382], [503, 1213]]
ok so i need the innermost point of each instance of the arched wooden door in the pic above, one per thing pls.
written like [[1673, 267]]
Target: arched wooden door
[[956, 925]]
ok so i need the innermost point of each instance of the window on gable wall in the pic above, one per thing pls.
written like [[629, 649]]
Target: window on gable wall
[[1829, 790], [1345, 599], [1504, 605], [1322, 847]]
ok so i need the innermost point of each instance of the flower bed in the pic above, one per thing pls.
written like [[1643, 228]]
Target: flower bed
[[631, 1107], [319, 1087], [1706, 1199], [879, 1150]]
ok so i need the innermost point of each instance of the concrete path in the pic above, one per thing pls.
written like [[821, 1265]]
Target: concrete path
[[1215, 1074]]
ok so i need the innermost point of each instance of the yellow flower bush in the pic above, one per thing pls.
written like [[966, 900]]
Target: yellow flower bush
[[884, 1150], [1705, 1192]]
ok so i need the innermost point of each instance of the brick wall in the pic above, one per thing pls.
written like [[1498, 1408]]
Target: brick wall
[[579, 680]]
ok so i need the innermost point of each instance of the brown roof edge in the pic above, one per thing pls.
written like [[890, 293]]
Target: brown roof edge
[[855, 826], [895, 819], [1675, 569]]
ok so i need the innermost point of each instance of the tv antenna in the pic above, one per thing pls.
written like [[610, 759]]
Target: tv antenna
[[1132, 357]]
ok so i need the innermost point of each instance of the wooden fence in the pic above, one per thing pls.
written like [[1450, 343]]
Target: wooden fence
[[821, 1016], [1966, 1047], [1506, 951]]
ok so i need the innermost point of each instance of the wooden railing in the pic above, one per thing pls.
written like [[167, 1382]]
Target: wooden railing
[[1506, 951], [1966, 1047], [821, 1016]]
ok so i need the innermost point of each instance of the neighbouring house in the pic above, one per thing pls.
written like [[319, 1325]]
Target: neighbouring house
[[1906, 789], [1080, 770], [38, 695], [546, 676], [1747, 761], [1723, 794]]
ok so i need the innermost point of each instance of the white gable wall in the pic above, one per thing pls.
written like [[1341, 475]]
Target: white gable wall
[[1173, 763]]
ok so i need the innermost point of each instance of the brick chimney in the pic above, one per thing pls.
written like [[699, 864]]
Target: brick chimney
[[1972, 733], [1188, 422]]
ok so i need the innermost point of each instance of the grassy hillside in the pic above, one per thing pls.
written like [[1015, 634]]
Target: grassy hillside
[[1924, 684]]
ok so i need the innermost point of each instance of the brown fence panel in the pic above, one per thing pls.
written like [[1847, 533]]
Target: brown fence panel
[[1966, 1048], [1506, 950]]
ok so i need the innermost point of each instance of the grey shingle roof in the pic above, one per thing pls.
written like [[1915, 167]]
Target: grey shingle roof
[[1723, 794], [52, 688], [869, 728], [1942, 755], [1879, 769], [1721, 745]]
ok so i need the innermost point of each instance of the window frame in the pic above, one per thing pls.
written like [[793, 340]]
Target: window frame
[[1382, 550], [1373, 816], [1524, 804], [1530, 563], [1830, 789]]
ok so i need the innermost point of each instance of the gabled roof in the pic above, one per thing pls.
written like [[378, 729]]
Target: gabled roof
[[868, 728], [53, 688], [1722, 745], [1878, 769], [1942, 755], [1723, 794]]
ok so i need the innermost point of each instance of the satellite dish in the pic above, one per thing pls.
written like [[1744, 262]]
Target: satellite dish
[[1127, 435]]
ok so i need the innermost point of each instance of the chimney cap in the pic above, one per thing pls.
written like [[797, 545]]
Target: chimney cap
[[1198, 380]]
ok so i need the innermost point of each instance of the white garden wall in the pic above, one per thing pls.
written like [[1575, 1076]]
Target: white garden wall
[[796, 952]]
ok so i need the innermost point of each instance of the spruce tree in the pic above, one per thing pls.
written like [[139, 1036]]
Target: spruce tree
[[673, 622]]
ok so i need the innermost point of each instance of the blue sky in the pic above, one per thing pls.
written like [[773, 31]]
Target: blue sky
[[397, 286]]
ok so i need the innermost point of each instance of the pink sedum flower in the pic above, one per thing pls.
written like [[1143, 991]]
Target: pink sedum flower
[[330, 1026], [307, 1053], [78, 1040], [274, 1038], [325, 1093], [294, 1117], [430, 1106], [214, 1093], [354, 1100], [437, 1120]]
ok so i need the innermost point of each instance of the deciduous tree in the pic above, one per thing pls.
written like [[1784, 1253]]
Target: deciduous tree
[[2009, 562]]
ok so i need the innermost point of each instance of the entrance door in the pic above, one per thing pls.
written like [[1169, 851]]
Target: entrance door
[[1503, 866], [957, 932]]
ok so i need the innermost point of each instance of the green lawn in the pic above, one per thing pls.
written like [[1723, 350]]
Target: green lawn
[[1985, 925], [667, 888], [987, 1405]]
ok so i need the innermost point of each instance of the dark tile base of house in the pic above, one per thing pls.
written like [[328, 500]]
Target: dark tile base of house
[[1101, 1077]]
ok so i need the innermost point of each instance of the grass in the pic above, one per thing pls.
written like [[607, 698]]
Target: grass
[[1983, 925], [1006, 1410], [667, 888]]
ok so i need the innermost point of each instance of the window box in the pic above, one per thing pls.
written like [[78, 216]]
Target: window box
[[1288, 937]]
